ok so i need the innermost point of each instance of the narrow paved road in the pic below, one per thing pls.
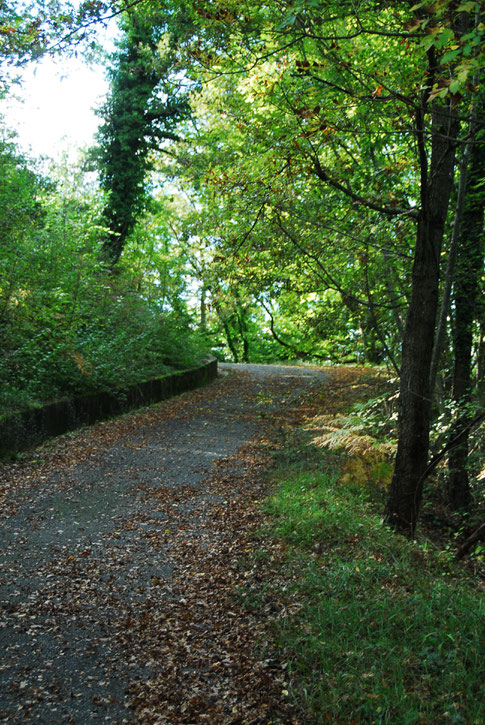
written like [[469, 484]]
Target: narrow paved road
[[116, 559]]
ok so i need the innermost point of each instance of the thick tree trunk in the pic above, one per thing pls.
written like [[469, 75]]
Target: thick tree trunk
[[405, 492], [466, 288]]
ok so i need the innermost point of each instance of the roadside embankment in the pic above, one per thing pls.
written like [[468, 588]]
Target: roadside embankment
[[23, 429]]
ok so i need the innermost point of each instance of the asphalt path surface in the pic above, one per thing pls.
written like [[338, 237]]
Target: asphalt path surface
[[84, 545]]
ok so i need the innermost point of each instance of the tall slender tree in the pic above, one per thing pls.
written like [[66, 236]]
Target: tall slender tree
[[147, 101], [469, 269]]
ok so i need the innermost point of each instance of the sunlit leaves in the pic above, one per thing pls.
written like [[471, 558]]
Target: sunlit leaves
[[31, 29], [457, 37]]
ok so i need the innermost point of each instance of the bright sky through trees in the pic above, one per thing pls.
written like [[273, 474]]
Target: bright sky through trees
[[52, 110]]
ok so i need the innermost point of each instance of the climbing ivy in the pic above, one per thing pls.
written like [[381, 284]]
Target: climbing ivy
[[147, 101]]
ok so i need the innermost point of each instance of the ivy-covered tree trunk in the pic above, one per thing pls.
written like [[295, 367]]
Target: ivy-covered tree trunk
[[123, 138], [466, 290], [405, 492], [145, 105]]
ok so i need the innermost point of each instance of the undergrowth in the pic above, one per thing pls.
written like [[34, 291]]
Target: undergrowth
[[374, 628], [129, 345]]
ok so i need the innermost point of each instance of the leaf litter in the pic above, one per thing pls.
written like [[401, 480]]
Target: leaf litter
[[124, 547]]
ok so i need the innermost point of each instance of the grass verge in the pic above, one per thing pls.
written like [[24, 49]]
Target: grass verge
[[372, 628]]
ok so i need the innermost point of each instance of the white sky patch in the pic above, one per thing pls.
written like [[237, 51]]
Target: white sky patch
[[52, 111]]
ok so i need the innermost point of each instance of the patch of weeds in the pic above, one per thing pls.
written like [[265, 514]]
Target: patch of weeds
[[265, 397], [298, 450], [252, 599], [386, 630], [360, 427], [248, 562]]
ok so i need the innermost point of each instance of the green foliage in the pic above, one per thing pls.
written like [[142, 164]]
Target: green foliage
[[383, 630], [332, 269], [266, 170], [29, 30], [67, 326]]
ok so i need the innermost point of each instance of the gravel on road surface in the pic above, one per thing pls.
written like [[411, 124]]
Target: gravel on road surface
[[119, 550]]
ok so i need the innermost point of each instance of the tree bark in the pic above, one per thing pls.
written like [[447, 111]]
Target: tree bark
[[466, 291], [203, 309], [481, 358], [405, 492], [450, 268]]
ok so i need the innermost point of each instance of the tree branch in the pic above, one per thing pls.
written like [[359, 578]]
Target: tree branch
[[451, 444], [388, 211], [300, 353], [478, 534]]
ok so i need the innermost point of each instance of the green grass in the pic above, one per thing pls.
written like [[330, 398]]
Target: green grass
[[385, 630]]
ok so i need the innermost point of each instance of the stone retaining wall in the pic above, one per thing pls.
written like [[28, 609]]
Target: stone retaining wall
[[26, 428]]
